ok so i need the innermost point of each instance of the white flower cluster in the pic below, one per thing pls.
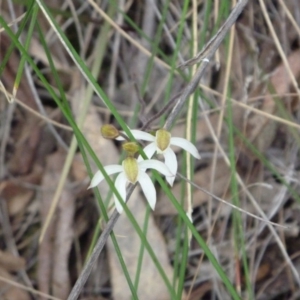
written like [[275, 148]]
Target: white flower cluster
[[134, 170]]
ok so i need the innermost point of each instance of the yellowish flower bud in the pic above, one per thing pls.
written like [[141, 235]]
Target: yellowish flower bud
[[163, 138], [131, 148], [131, 169], [109, 131]]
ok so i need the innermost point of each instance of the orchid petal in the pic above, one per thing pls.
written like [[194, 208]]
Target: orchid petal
[[120, 138], [138, 135], [186, 145], [171, 163], [120, 185], [156, 165], [148, 189], [98, 177], [149, 150]]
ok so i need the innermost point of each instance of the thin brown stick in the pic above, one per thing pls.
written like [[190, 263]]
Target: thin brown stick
[[161, 112], [77, 288]]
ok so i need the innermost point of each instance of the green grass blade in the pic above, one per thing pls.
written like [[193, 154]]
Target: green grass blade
[[26, 46], [239, 236]]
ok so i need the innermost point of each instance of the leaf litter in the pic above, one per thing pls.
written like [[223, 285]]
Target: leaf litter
[[33, 163]]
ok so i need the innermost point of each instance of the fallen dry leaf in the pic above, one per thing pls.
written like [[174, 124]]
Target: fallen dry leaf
[[18, 196], [10, 292], [151, 285], [45, 252], [62, 245], [28, 133], [11, 262], [78, 168], [53, 258], [260, 130]]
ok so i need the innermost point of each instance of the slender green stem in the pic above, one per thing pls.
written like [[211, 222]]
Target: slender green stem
[[33, 20]]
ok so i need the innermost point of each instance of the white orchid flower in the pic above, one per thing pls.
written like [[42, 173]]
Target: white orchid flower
[[133, 171], [161, 143]]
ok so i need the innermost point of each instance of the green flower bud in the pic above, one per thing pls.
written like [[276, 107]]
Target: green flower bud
[[109, 131], [131, 148]]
